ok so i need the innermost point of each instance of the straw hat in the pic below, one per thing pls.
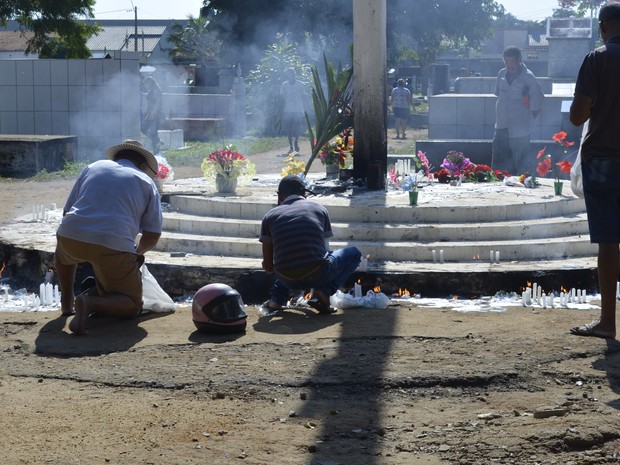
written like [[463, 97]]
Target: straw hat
[[135, 146]]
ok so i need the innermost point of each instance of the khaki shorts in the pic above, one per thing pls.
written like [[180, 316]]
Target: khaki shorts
[[115, 272]]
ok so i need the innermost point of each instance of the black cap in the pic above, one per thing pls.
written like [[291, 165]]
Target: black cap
[[293, 185], [609, 11]]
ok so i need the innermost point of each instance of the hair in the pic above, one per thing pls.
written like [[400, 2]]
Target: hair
[[609, 12], [151, 80], [132, 156], [400, 82], [512, 51]]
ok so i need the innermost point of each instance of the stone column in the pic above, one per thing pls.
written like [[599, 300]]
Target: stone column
[[369, 95]]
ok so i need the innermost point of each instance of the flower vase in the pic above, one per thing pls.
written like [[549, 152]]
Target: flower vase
[[557, 187], [225, 184], [413, 197], [332, 170]]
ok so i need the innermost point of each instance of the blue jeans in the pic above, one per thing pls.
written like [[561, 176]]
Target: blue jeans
[[337, 269]]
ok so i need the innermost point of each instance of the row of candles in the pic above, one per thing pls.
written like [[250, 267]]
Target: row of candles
[[40, 212], [535, 295], [493, 256], [48, 296]]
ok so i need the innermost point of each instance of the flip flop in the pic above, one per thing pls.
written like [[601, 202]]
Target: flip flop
[[589, 330], [320, 302], [267, 304]]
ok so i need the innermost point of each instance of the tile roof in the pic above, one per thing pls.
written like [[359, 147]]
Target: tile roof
[[11, 41]]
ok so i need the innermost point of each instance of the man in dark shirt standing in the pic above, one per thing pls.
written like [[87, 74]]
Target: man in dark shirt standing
[[294, 236], [597, 98]]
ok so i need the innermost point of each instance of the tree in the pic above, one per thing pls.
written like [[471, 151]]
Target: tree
[[265, 80], [582, 7], [420, 25], [55, 25], [194, 42]]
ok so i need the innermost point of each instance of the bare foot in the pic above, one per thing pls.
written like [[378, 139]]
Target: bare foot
[[78, 324]]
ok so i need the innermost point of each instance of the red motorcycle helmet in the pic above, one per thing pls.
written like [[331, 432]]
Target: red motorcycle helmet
[[218, 309]]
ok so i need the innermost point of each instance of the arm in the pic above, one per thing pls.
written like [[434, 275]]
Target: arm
[[148, 241], [267, 256], [580, 109]]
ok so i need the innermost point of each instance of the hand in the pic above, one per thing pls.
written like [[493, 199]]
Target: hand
[[140, 259]]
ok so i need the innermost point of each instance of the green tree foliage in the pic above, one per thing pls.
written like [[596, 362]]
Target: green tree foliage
[[56, 26], [420, 25], [264, 82], [583, 8], [195, 42]]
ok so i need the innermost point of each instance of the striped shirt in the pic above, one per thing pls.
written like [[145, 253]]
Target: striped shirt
[[110, 203], [297, 229]]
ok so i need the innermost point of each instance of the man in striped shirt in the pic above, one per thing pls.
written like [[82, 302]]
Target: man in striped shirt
[[294, 236]]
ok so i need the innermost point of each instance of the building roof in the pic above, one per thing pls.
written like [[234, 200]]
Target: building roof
[[123, 38], [15, 40]]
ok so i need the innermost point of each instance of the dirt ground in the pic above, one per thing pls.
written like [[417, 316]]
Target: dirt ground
[[401, 385]]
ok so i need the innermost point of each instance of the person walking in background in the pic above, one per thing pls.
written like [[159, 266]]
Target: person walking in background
[[292, 92], [294, 235], [111, 202], [153, 114], [401, 101], [597, 98], [519, 101]]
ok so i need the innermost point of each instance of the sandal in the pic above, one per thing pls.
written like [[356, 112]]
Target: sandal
[[590, 330], [269, 305], [320, 302]]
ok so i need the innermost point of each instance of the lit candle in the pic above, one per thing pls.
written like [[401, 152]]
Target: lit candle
[[441, 256], [357, 290], [434, 252]]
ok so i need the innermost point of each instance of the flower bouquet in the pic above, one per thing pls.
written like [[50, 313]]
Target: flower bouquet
[[293, 166], [455, 163], [339, 152], [227, 168], [545, 165], [164, 171]]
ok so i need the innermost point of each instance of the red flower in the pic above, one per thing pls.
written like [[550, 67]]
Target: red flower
[[162, 171], [559, 137], [565, 166], [543, 167], [541, 152], [443, 176], [501, 174]]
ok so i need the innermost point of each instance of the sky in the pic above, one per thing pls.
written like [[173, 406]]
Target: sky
[[181, 9]]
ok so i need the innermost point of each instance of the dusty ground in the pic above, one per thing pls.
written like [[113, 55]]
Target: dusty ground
[[403, 385]]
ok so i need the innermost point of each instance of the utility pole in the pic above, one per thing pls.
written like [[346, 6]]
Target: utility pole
[[135, 33]]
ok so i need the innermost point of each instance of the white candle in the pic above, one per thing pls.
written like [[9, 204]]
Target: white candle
[[535, 290], [364, 264], [497, 256], [543, 300], [441, 256], [434, 252], [618, 290], [48, 293], [42, 293], [6, 294], [37, 302], [523, 298], [357, 290], [53, 206], [491, 256]]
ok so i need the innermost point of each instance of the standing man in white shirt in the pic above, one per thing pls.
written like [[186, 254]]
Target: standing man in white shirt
[[519, 101], [292, 91]]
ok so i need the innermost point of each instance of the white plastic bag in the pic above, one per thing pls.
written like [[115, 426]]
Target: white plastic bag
[[576, 180], [154, 298], [370, 300]]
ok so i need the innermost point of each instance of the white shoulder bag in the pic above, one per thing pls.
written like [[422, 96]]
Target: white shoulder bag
[[576, 180]]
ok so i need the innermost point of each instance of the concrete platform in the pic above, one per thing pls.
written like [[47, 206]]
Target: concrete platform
[[23, 155], [212, 237]]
